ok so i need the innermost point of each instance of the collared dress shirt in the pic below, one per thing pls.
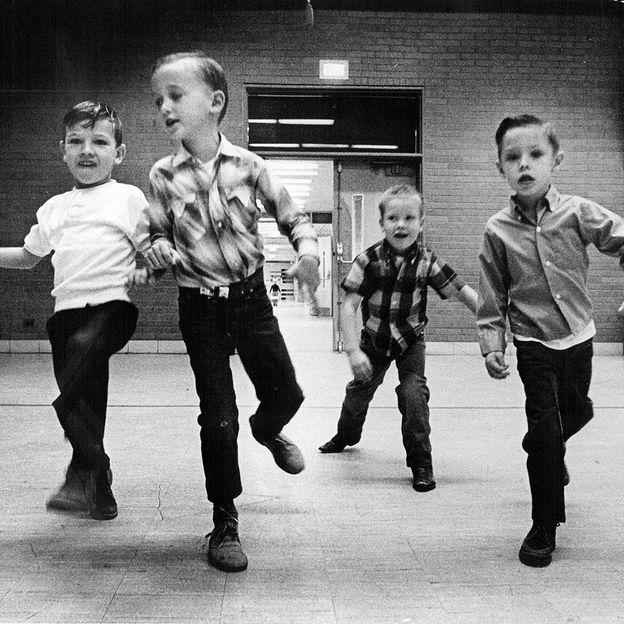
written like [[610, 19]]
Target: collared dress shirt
[[209, 212], [394, 293], [534, 268]]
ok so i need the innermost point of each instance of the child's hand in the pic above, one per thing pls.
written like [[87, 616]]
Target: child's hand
[[138, 277], [495, 364], [306, 271], [161, 255], [360, 365]]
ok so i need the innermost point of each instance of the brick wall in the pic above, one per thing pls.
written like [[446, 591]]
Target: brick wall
[[474, 68]]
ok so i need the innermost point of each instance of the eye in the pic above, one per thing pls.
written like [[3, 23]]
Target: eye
[[158, 101], [537, 153], [102, 142], [73, 141]]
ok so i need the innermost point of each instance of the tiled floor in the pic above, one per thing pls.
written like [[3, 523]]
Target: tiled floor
[[347, 541]]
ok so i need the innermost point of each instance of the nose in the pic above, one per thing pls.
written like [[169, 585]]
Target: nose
[[87, 147], [165, 107], [524, 161]]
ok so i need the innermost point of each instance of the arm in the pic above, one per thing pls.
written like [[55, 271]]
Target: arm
[[493, 295], [161, 254], [358, 360], [17, 258], [468, 296]]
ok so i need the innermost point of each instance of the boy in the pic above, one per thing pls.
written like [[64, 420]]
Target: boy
[[94, 231], [390, 280], [204, 208], [534, 272]]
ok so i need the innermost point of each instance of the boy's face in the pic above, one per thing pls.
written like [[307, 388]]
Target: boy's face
[[188, 105], [402, 222], [528, 161], [91, 153]]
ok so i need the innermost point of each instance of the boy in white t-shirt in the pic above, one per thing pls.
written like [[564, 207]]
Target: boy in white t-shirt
[[95, 231]]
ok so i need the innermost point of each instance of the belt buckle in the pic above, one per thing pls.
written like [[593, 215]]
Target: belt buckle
[[222, 292]]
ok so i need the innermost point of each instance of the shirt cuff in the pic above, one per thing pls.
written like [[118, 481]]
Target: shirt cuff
[[308, 247], [491, 340]]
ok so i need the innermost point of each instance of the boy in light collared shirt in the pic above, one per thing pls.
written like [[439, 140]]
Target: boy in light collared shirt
[[534, 272]]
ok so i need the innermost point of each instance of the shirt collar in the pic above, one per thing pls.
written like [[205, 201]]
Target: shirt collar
[[549, 201], [225, 148], [389, 254]]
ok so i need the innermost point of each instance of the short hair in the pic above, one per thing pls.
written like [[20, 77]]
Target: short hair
[[211, 72], [92, 112], [400, 190], [521, 121]]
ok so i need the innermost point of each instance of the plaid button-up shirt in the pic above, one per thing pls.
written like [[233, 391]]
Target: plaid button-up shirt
[[209, 212], [394, 294]]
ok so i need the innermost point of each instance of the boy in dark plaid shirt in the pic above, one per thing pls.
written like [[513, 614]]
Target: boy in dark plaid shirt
[[390, 280]]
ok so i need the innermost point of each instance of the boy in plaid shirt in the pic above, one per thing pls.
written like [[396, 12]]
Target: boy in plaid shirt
[[390, 280]]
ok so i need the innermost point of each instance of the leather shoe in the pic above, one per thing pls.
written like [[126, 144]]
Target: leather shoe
[[285, 453], [538, 545], [335, 445], [423, 479], [224, 548], [100, 499], [71, 495]]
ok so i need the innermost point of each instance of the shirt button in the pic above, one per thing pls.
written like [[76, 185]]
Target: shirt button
[[538, 229], [547, 262], [557, 296]]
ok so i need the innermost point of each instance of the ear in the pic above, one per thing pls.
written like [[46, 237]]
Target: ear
[[62, 147], [121, 154], [558, 160], [218, 100]]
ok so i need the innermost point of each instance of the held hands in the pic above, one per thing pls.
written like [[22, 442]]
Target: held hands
[[161, 255], [307, 273], [360, 365], [138, 277], [495, 364]]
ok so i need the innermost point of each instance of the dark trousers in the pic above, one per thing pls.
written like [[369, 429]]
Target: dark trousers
[[83, 341], [556, 384], [413, 401], [210, 327]]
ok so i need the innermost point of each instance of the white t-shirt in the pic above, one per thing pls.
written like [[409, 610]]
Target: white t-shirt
[[94, 234]]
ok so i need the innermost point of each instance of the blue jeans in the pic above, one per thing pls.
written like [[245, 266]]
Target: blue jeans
[[83, 341], [556, 385], [210, 327], [413, 402]]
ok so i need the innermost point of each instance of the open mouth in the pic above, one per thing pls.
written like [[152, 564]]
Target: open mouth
[[87, 164], [525, 178], [170, 122]]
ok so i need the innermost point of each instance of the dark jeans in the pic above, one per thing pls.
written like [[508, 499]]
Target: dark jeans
[[413, 401], [556, 384], [83, 340], [210, 327]]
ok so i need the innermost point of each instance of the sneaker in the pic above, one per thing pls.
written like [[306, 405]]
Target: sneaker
[[224, 548], [423, 479], [100, 499], [285, 453], [71, 496], [538, 545], [335, 445]]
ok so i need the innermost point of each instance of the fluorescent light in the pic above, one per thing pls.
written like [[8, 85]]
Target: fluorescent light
[[306, 122], [324, 145], [262, 121], [376, 147], [279, 145]]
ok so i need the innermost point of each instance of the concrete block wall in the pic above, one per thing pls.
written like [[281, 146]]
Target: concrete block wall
[[474, 68]]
